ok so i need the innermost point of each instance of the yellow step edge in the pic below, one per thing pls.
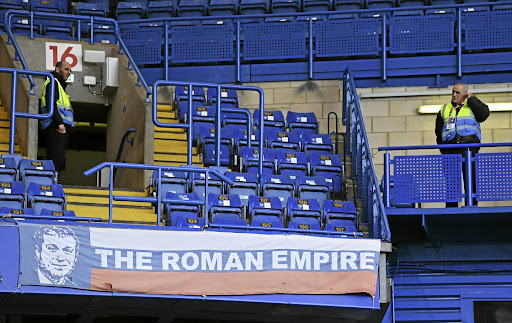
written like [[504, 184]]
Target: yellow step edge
[[172, 135], [162, 114], [170, 147], [174, 158], [175, 164], [85, 191], [102, 200], [118, 214]]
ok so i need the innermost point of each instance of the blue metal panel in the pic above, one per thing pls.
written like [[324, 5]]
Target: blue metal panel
[[488, 30], [421, 34], [493, 176], [208, 43], [145, 44], [274, 40]]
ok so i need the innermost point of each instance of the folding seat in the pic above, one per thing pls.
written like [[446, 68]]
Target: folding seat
[[171, 181], [329, 167], [241, 140], [180, 214], [37, 171], [12, 194], [285, 6], [7, 5], [265, 211], [303, 211], [57, 6], [306, 122], [232, 119], [289, 141], [203, 116], [228, 97], [225, 209], [410, 3], [197, 184], [207, 145], [58, 29], [316, 5], [303, 223], [254, 7], [8, 169], [344, 5], [130, 10], [161, 9], [293, 164], [223, 7], [380, 4], [7, 210], [192, 8], [444, 11], [250, 159], [91, 9], [21, 26], [272, 119], [312, 187], [245, 184], [181, 99], [46, 197], [317, 143], [54, 213], [281, 186], [340, 216], [104, 34]]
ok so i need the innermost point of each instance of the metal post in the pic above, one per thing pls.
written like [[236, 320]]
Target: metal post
[[79, 30], [262, 126], [92, 30], [459, 44], [310, 48], [387, 189], [189, 134], [166, 51], [469, 179], [13, 111], [384, 53], [205, 207], [238, 49], [217, 128], [111, 194], [159, 196]]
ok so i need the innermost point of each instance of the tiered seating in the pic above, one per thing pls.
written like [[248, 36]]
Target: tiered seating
[[265, 211], [175, 182], [304, 214], [330, 167], [41, 172], [12, 194], [340, 216], [292, 163], [272, 120], [250, 159], [225, 209], [181, 100], [8, 169], [246, 184], [198, 185], [180, 214], [46, 197]]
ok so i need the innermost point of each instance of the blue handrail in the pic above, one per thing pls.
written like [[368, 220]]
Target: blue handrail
[[14, 114], [158, 199], [73, 18], [188, 125], [362, 164]]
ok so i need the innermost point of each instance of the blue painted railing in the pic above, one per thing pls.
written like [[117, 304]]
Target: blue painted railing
[[14, 95], [189, 123], [10, 14], [358, 148]]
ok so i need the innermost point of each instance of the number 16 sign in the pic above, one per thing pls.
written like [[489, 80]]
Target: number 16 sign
[[71, 53]]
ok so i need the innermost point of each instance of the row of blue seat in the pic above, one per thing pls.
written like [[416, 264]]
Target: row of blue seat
[[30, 211], [14, 168], [36, 196]]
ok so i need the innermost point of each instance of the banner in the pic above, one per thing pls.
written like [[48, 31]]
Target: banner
[[195, 263]]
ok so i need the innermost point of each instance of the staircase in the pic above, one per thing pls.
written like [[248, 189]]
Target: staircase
[[171, 143], [4, 133]]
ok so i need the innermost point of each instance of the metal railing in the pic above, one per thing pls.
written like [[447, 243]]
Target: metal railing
[[14, 113], [10, 14], [363, 169]]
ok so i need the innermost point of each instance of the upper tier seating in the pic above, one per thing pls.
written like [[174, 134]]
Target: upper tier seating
[[192, 8], [161, 9], [223, 7], [130, 10]]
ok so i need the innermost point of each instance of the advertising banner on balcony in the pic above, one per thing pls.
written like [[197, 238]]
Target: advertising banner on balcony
[[195, 263]]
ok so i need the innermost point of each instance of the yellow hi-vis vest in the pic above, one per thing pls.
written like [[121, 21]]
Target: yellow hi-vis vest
[[462, 123], [63, 106]]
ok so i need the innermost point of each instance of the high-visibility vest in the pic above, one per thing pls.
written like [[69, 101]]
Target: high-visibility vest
[[465, 123], [63, 106]]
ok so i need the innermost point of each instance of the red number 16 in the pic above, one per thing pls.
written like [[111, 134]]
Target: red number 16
[[67, 53]]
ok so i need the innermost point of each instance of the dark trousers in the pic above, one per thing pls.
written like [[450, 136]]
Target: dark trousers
[[464, 176], [56, 144]]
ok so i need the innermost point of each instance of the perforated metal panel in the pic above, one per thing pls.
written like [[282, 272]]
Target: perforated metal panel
[[209, 43], [348, 37], [274, 40], [493, 176], [421, 179], [144, 44], [486, 30], [422, 34]]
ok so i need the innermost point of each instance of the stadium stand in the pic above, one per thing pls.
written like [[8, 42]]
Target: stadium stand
[[50, 197]]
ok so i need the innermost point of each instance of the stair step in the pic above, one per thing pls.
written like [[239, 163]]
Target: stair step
[[164, 163], [119, 214], [171, 135], [162, 157], [171, 147], [166, 120], [71, 198], [166, 115], [100, 191]]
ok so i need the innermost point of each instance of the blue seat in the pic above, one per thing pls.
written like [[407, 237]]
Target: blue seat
[[285, 6], [21, 26], [161, 9], [312, 187], [54, 213], [305, 122], [7, 5], [104, 34], [12, 195], [7, 210], [232, 119], [281, 186], [181, 99], [228, 97], [316, 142], [254, 7], [91, 9], [203, 116], [329, 167], [295, 164], [171, 181], [130, 10], [192, 8], [8, 169], [57, 6], [180, 214], [340, 216], [245, 184], [444, 11], [225, 209], [316, 5], [250, 159], [297, 209], [266, 211], [58, 29], [342, 5], [241, 140], [37, 171], [46, 197], [197, 185], [287, 140], [272, 119], [304, 223], [207, 145], [267, 221], [380, 4], [223, 7]]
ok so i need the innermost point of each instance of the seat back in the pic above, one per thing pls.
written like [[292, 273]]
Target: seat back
[[37, 171], [281, 186], [312, 187], [304, 121], [317, 142], [54, 213], [228, 96], [171, 181], [272, 119], [295, 164], [46, 197], [265, 205], [245, 184], [197, 183], [8, 169], [7, 210], [12, 195]]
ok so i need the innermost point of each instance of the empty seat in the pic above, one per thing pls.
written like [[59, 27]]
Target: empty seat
[[171, 181], [380, 4], [298, 209], [225, 209], [295, 164], [203, 116], [233, 119], [192, 8], [340, 216], [161, 9], [329, 167], [316, 142], [281, 186], [54, 213], [250, 160], [342, 5], [180, 214], [303, 223], [285, 6], [37, 171], [312, 187], [57, 6], [228, 97], [197, 184], [443, 11], [58, 29], [181, 99], [265, 211], [305, 122], [91, 9], [316, 5], [12, 195], [254, 7], [245, 184], [290, 141], [7, 210], [104, 34], [272, 119], [46, 197], [8, 169], [241, 140], [207, 145], [223, 7], [130, 10]]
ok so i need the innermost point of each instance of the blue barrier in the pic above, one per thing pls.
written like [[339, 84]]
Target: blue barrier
[[357, 147], [14, 114]]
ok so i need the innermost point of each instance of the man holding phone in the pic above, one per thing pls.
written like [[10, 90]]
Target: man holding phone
[[459, 123]]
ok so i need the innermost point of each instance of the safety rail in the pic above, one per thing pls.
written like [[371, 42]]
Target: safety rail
[[9, 14], [14, 114], [52, 218], [452, 39], [189, 123], [159, 200], [363, 169], [468, 171]]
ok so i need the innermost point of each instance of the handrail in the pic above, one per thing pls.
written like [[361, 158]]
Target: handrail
[[9, 14], [188, 125], [124, 139], [336, 128], [14, 114], [362, 163], [158, 199], [496, 144]]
